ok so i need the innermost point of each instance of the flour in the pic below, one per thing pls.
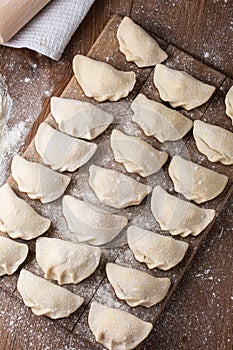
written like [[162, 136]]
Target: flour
[[10, 137]]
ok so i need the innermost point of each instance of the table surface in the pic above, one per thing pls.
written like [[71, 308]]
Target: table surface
[[199, 315]]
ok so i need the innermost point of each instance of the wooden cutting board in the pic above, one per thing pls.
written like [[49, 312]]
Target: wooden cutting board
[[97, 287]]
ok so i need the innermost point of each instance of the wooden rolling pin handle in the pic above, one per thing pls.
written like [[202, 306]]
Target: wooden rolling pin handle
[[14, 14]]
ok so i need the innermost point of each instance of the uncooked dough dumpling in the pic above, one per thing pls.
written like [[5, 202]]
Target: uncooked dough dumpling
[[229, 103], [155, 250], [177, 216], [66, 262], [116, 189], [137, 45], [159, 121], [181, 89], [78, 118], [194, 181], [116, 329], [38, 181], [102, 81], [18, 218], [137, 155], [60, 151], [137, 287], [90, 225], [12, 254], [214, 142], [46, 298]]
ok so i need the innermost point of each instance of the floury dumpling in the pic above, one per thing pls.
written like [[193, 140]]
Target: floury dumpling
[[180, 89], [137, 45], [78, 118], [102, 81], [116, 329], [60, 151], [137, 155]]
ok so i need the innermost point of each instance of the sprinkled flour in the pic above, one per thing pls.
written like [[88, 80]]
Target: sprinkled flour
[[11, 137]]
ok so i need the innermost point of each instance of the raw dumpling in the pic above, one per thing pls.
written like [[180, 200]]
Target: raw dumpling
[[137, 287], [38, 181], [78, 118], [137, 45], [116, 189], [116, 329], [181, 89], [213, 141], [137, 155], [102, 81], [12, 254], [155, 119], [194, 181], [90, 225], [66, 262], [155, 250], [177, 216], [229, 103], [60, 151], [18, 218], [46, 298]]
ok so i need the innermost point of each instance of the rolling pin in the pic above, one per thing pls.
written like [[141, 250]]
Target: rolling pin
[[14, 14]]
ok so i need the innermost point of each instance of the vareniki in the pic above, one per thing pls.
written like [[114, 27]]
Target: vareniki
[[155, 250], [137, 45], [213, 141], [159, 121], [116, 189], [78, 118], [18, 218], [137, 287], [194, 181], [38, 181], [116, 329], [66, 262], [137, 155], [181, 89], [89, 224], [177, 216], [60, 151], [102, 81]]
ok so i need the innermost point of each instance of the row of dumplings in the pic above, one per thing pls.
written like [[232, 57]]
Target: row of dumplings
[[68, 262]]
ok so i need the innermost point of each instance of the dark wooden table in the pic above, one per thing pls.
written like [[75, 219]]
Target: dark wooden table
[[199, 315]]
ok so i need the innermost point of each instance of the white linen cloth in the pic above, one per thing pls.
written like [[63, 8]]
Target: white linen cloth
[[52, 28]]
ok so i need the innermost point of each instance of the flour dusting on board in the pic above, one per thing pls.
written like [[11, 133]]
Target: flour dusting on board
[[10, 136]]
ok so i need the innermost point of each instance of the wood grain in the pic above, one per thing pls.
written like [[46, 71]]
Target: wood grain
[[203, 28], [186, 322]]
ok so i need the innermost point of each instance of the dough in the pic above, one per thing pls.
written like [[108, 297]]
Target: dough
[[138, 46], [116, 329], [181, 89], [155, 250], [66, 262], [46, 298], [177, 216], [137, 155], [90, 225], [194, 181], [214, 142], [229, 103], [12, 254], [38, 181], [60, 151], [18, 218], [102, 81], [116, 189], [78, 118], [165, 124], [137, 287]]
